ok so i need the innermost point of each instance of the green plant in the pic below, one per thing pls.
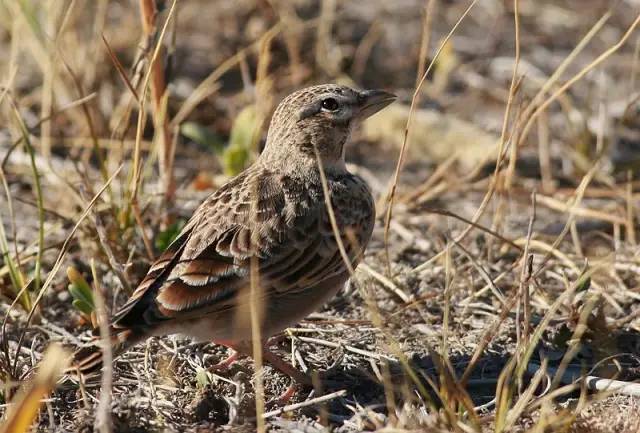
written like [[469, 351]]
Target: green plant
[[165, 237], [82, 295], [244, 135], [198, 133]]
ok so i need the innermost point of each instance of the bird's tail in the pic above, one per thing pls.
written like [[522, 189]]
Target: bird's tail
[[88, 361]]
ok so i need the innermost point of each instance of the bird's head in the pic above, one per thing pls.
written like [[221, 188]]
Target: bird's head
[[320, 117]]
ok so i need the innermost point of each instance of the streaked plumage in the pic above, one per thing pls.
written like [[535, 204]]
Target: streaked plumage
[[272, 216]]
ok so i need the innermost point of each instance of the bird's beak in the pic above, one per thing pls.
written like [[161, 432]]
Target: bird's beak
[[372, 101]]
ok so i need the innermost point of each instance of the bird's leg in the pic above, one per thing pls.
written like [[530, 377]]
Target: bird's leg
[[285, 368], [288, 394], [300, 379], [275, 361], [235, 355], [227, 362], [275, 339]]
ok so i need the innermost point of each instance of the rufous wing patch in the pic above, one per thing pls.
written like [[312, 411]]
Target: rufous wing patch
[[179, 296]]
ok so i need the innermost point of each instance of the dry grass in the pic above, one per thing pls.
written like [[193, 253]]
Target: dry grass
[[499, 296]]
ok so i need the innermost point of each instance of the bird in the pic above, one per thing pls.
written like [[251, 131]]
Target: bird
[[266, 238]]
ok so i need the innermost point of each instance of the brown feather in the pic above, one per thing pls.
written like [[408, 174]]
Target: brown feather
[[273, 212]]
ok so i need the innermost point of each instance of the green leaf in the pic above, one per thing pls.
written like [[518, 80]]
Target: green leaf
[[202, 135], [202, 378], [29, 13], [164, 238], [244, 127], [244, 135], [79, 295], [234, 160], [80, 291], [583, 285], [82, 306]]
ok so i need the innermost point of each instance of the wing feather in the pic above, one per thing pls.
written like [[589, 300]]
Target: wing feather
[[207, 268]]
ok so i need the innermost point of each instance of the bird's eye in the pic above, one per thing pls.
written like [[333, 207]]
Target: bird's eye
[[330, 104]]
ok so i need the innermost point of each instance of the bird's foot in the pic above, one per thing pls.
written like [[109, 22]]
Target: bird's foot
[[285, 398], [274, 360], [226, 363], [284, 367]]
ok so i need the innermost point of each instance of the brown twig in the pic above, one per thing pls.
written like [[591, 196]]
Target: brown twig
[[427, 19], [149, 16], [103, 411], [403, 148], [526, 273], [306, 403], [120, 69], [61, 255]]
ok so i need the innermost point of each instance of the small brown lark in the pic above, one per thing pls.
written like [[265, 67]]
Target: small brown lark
[[265, 237]]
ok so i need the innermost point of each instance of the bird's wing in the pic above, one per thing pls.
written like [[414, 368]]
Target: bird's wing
[[206, 269]]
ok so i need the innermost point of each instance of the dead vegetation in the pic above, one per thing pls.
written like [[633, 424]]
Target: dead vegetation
[[500, 291]]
